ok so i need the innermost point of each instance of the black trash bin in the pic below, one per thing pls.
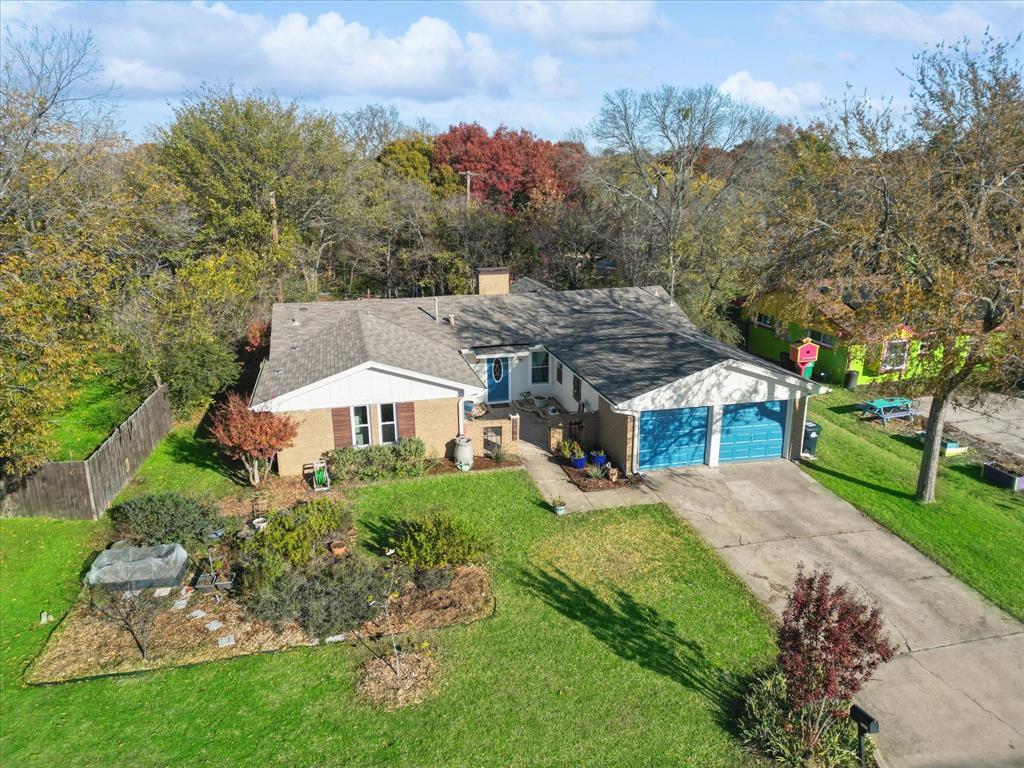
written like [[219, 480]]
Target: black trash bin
[[850, 381], [811, 432]]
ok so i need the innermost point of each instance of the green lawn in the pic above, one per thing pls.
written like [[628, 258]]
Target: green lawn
[[614, 637], [974, 530], [97, 406], [186, 460]]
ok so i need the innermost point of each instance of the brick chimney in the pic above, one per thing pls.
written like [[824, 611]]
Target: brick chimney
[[491, 281]]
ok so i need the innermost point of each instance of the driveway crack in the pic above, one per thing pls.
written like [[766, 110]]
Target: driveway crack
[[973, 700]]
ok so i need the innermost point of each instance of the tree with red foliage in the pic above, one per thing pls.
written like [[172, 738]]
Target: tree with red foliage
[[251, 436], [510, 168], [830, 643]]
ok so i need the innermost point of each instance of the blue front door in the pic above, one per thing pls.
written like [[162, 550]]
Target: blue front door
[[752, 431], [497, 380], [673, 438]]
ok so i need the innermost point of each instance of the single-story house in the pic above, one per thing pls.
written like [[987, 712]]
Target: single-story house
[[659, 392], [777, 319]]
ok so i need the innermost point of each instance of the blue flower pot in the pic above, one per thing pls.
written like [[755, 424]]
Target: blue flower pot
[[598, 459], [579, 463]]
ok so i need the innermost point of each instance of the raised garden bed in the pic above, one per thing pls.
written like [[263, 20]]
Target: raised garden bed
[[1003, 476]]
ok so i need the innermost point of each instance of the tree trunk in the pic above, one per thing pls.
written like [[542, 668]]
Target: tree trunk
[[928, 473]]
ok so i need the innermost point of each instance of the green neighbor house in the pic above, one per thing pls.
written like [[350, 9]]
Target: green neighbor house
[[769, 332]]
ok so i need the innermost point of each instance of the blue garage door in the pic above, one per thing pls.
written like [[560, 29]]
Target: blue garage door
[[673, 438], [752, 431]]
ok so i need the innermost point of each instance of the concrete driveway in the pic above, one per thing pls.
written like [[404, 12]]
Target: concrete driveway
[[998, 420], [954, 696]]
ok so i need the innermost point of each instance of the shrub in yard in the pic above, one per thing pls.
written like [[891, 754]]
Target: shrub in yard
[[435, 541], [293, 536], [772, 726], [404, 459], [163, 518], [830, 643], [331, 596]]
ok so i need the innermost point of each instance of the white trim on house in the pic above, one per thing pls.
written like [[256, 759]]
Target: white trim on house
[[405, 386], [727, 383], [381, 422], [355, 427]]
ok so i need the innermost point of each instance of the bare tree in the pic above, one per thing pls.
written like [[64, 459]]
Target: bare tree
[[677, 154], [49, 104], [132, 611]]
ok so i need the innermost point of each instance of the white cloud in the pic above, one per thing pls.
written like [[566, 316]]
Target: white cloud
[[547, 77], [589, 27], [430, 60], [159, 49], [919, 24], [786, 101]]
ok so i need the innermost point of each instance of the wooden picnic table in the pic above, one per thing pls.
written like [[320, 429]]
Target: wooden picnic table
[[886, 408]]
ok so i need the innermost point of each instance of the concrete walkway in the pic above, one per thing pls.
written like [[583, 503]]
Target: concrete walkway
[[546, 471], [954, 696]]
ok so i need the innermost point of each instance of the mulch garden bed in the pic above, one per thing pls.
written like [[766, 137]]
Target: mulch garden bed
[[480, 464], [379, 684], [584, 482], [84, 645], [277, 493]]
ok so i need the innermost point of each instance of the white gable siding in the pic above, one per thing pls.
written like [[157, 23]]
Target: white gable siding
[[365, 386], [721, 384]]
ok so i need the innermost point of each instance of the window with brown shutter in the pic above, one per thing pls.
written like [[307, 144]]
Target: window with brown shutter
[[406, 420], [341, 418]]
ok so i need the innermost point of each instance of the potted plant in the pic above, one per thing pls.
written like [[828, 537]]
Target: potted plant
[[224, 581], [338, 547], [558, 504], [572, 451], [597, 456], [206, 582]]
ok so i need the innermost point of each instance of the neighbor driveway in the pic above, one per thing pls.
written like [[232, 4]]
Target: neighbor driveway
[[954, 696], [997, 419]]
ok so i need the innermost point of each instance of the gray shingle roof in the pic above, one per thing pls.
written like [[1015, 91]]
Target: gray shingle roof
[[623, 341], [527, 285]]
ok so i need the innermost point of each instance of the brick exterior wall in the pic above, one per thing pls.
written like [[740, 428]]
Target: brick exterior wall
[[315, 437], [509, 433], [616, 435], [436, 424]]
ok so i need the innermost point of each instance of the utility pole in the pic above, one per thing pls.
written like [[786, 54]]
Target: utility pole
[[469, 178]]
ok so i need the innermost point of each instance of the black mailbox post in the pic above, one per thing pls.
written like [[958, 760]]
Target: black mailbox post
[[865, 724]]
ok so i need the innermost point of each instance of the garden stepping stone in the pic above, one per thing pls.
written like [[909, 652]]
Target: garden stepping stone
[[334, 639], [177, 605], [224, 642], [162, 592], [198, 613], [214, 625]]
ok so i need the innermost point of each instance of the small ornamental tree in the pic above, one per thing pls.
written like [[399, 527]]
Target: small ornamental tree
[[830, 643], [132, 611], [251, 436]]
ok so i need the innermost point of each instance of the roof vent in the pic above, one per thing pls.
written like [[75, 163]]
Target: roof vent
[[295, 321]]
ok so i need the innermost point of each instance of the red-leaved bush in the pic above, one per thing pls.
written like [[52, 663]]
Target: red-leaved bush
[[251, 436], [830, 643]]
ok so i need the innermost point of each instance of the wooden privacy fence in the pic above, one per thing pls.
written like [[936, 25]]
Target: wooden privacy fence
[[84, 489]]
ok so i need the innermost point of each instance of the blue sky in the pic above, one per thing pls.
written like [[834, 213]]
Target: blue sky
[[542, 66]]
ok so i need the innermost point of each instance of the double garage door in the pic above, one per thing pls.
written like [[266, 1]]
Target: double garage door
[[678, 437]]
